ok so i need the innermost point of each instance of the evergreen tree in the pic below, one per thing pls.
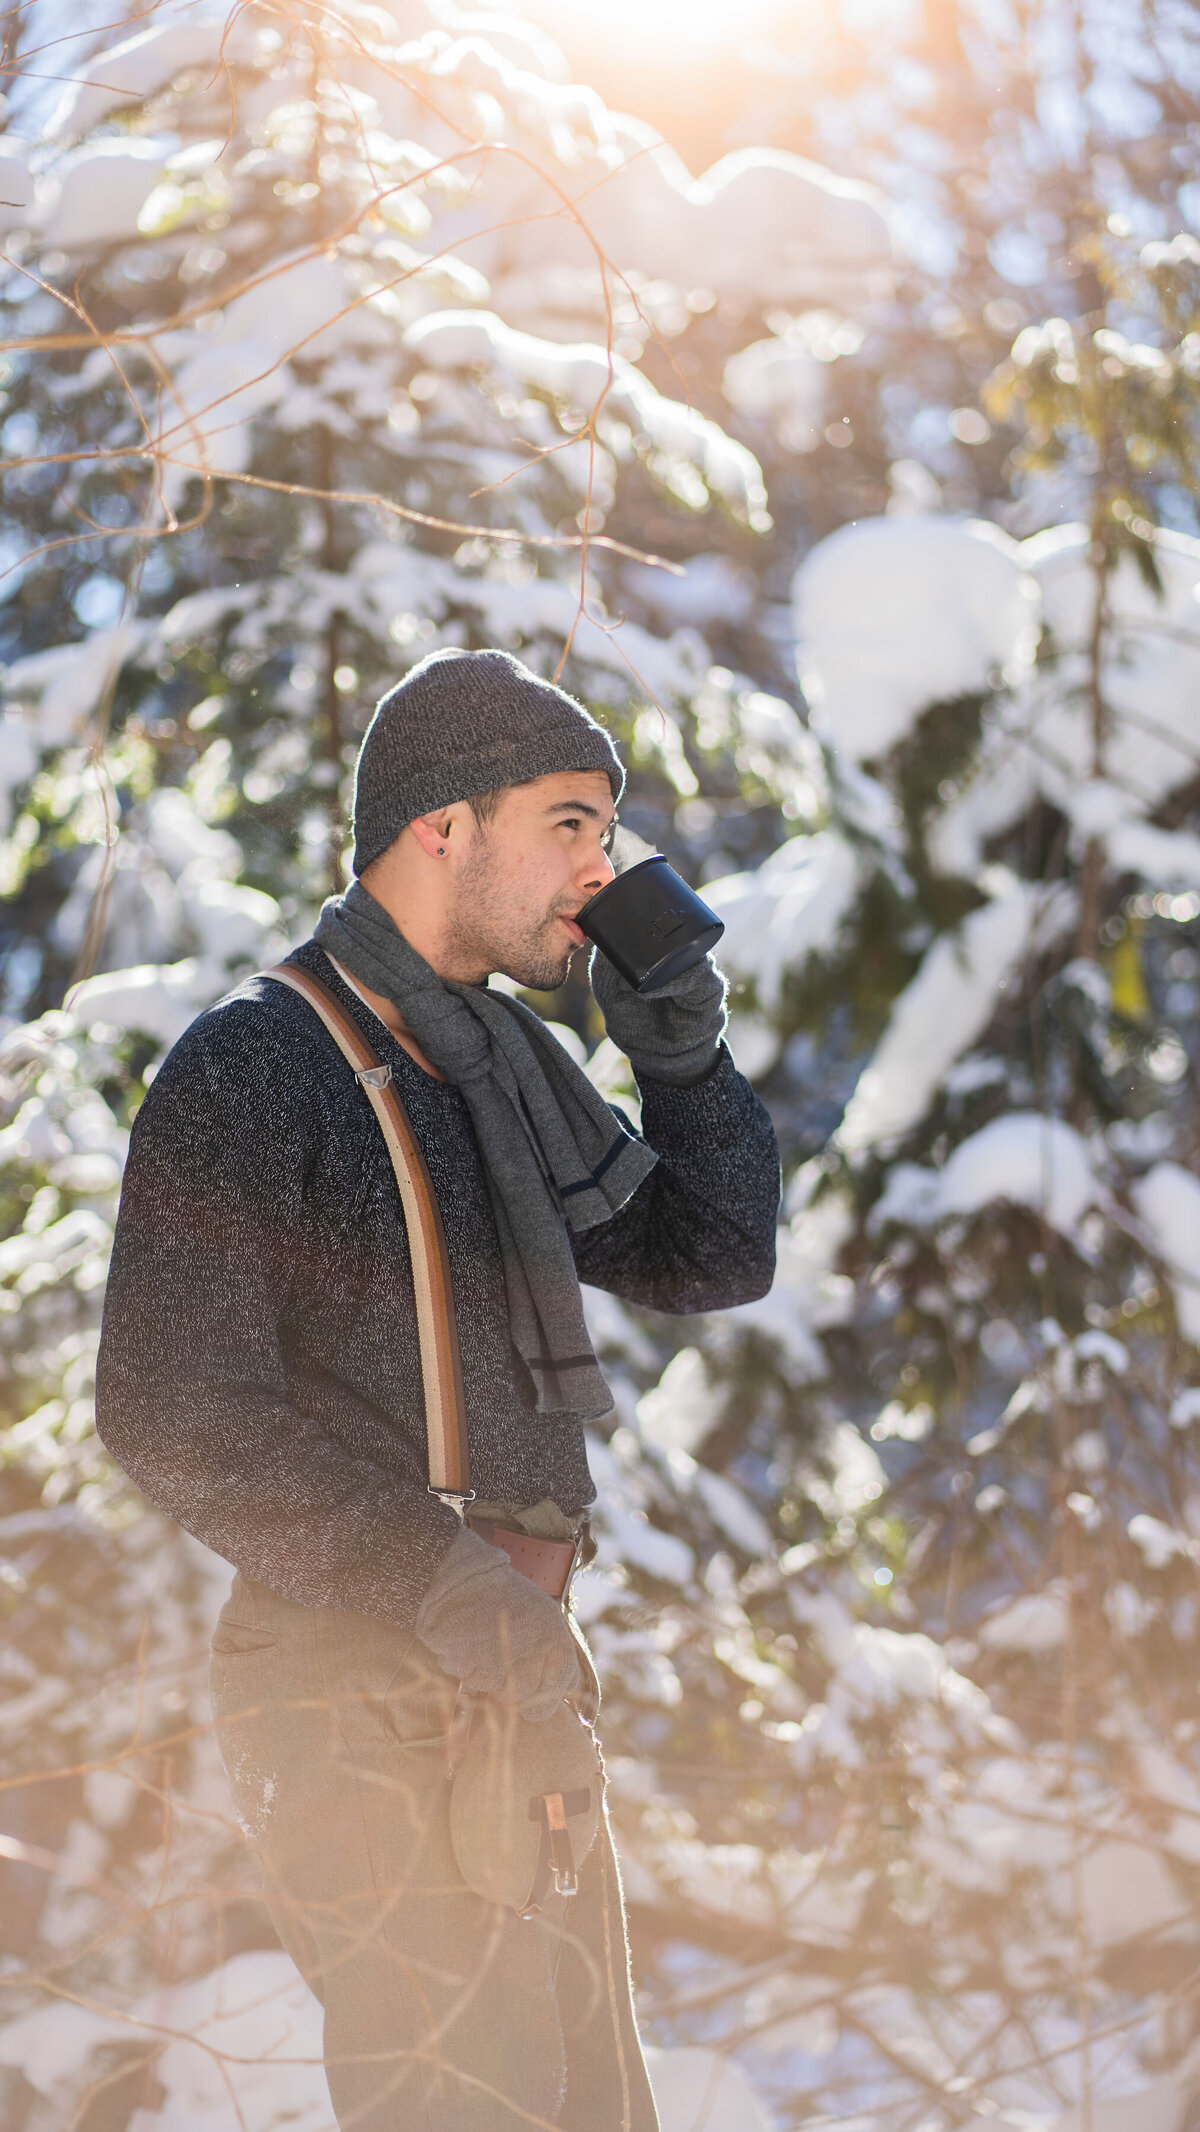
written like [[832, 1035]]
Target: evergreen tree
[[269, 452]]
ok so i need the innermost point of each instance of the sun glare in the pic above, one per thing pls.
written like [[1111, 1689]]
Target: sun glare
[[693, 28]]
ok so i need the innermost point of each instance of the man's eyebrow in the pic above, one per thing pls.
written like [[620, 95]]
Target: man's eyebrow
[[578, 806]]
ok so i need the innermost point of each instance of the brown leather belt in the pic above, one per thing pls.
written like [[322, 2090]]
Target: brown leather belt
[[550, 1564]]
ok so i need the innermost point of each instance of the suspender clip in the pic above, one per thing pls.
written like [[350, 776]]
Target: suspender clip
[[453, 1499]]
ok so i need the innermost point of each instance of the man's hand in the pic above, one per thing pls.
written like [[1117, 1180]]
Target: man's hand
[[672, 1034], [492, 1629]]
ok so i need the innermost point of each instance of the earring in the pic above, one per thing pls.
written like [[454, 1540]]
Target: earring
[[441, 851]]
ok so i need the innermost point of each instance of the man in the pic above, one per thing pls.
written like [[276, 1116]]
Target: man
[[260, 1378]]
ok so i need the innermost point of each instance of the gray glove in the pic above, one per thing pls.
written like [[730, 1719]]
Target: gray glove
[[673, 1034], [493, 1630]]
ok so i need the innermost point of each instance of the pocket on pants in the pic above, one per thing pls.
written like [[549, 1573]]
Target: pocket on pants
[[386, 1687], [241, 1639]]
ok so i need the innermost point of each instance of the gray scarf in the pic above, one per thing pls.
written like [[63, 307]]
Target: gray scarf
[[556, 1157]]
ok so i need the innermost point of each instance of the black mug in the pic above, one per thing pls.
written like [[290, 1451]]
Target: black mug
[[650, 924]]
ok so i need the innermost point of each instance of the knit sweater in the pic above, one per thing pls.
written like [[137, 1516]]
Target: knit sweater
[[259, 1374]]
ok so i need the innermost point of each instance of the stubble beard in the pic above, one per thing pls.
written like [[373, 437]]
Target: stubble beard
[[483, 930]]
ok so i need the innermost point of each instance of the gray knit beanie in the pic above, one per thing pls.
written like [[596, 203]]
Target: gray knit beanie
[[462, 723]]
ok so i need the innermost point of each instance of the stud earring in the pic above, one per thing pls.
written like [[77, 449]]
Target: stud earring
[[441, 851]]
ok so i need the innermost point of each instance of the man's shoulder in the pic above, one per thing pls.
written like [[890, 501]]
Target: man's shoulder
[[256, 1015], [260, 1035]]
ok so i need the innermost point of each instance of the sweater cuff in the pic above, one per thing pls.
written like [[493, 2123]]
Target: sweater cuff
[[647, 1081]]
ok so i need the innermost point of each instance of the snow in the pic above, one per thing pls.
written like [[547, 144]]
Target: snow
[[243, 2053], [1129, 1612], [1128, 1890], [888, 1665], [794, 2013], [1158, 1544], [34, 1135], [1097, 1346], [624, 1532], [772, 382], [684, 1406], [236, 924], [584, 377], [134, 68], [731, 1509], [387, 580], [223, 379], [761, 222], [1024, 1157], [792, 907], [51, 1253], [18, 187], [79, 1139], [770, 744], [784, 1890], [807, 1294], [1153, 656], [144, 919], [52, 2046], [768, 227], [856, 1476], [1161, 2107], [184, 842], [943, 1010], [1170, 858], [570, 1039], [902, 612], [102, 189], [697, 2090], [710, 589], [59, 689], [1042, 742], [1036, 1621], [876, 1670], [1167, 1202], [158, 1001], [170, 893], [1014, 1822], [893, 614]]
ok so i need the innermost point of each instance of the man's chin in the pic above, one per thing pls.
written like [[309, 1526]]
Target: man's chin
[[541, 976]]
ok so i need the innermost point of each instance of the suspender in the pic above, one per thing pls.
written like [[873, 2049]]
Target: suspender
[[437, 1329]]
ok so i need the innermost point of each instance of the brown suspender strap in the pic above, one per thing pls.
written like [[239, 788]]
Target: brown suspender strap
[[437, 1328]]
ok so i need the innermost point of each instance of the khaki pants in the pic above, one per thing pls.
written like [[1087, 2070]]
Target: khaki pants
[[443, 2013]]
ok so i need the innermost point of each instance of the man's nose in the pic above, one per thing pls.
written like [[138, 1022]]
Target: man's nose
[[598, 873]]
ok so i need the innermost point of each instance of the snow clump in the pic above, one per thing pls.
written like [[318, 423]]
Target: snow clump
[[941, 1013], [1026, 1158], [1167, 1201], [950, 606]]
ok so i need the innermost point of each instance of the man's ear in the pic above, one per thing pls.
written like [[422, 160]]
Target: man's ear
[[433, 831]]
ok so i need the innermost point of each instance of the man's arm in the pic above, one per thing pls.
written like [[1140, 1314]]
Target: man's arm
[[216, 1244], [699, 1233]]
